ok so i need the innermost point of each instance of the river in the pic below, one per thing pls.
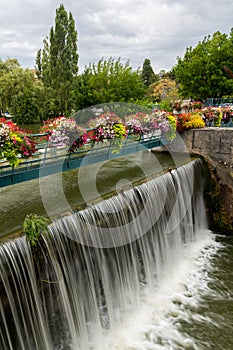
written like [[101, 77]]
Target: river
[[29, 197], [192, 309]]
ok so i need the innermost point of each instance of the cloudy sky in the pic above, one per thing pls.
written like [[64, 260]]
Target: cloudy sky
[[130, 29]]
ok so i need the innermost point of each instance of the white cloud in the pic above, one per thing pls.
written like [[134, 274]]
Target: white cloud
[[130, 29], [17, 45]]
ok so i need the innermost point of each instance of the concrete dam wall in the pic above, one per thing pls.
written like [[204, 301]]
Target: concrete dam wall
[[215, 146]]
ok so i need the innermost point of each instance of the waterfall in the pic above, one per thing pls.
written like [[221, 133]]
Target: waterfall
[[98, 265]]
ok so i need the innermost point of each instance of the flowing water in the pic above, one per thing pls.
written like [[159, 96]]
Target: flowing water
[[193, 308], [137, 271], [20, 199]]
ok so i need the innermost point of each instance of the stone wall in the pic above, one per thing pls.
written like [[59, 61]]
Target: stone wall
[[214, 143], [215, 146]]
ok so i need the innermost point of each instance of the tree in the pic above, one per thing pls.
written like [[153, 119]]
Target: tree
[[5, 68], [57, 63], [148, 75], [18, 92], [201, 73], [8, 65], [165, 88], [26, 110], [108, 81]]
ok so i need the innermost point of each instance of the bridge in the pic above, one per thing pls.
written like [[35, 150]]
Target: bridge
[[48, 161]]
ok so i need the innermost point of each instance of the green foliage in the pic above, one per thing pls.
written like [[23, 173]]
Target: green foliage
[[166, 105], [108, 81], [148, 75], [34, 226], [26, 110], [57, 63], [202, 71], [18, 92], [145, 102], [8, 65]]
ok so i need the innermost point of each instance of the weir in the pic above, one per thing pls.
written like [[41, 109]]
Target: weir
[[98, 265]]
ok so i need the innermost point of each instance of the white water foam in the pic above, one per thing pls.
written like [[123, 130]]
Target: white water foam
[[156, 324]]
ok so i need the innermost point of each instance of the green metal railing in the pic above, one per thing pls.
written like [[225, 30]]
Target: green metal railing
[[49, 160]]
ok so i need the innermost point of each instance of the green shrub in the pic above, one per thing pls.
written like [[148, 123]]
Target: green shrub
[[34, 226]]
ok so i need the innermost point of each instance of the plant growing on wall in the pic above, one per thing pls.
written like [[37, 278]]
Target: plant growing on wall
[[34, 227]]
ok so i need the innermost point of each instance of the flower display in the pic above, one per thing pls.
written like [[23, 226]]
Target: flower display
[[171, 133], [105, 119], [196, 105], [108, 126], [189, 121], [134, 126], [142, 123], [27, 147], [213, 114], [15, 143], [227, 114], [177, 106], [64, 132], [50, 124], [159, 121]]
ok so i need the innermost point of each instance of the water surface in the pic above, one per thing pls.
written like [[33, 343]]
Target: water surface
[[92, 183], [192, 310]]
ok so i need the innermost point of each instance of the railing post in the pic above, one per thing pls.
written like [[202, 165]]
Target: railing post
[[12, 173]]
